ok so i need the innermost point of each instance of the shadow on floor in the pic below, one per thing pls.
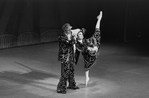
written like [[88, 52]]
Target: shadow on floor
[[30, 78]]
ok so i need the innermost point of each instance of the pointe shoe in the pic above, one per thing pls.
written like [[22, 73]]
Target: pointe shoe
[[100, 15], [86, 81]]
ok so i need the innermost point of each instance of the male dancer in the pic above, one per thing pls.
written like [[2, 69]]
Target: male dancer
[[66, 56]]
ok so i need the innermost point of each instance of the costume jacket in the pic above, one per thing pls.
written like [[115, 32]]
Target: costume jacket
[[65, 49]]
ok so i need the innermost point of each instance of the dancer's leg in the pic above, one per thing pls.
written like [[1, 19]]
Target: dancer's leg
[[61, 87], [86, 77], [71, 79]]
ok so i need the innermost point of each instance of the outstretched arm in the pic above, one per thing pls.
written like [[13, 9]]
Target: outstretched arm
[[99, 17]]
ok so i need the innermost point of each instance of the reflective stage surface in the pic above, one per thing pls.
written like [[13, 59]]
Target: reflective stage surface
[[121, 71]]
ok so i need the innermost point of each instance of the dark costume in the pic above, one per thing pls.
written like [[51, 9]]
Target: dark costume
[[89, 56], [66, 56]]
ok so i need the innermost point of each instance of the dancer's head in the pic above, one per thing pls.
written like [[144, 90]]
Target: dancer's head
[[80, 34], [66, 27]]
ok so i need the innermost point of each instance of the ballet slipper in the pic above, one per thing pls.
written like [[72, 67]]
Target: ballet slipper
[[86, 81]]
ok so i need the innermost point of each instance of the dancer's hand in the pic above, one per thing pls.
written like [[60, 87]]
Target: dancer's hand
[[69, 37], [80, 41], [89, 48]]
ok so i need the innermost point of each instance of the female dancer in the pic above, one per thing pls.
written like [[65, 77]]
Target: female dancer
[[89, 47]]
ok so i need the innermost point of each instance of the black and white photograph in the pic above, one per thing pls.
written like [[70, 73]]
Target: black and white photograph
[[74, 49]]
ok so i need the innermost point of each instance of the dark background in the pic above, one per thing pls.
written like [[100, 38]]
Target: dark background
[[123, 20]]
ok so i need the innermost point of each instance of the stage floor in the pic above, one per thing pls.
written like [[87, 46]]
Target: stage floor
[[121, 71]]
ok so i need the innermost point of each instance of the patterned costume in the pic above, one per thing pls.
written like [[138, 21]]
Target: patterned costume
[[89, 56], [66, 56]]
